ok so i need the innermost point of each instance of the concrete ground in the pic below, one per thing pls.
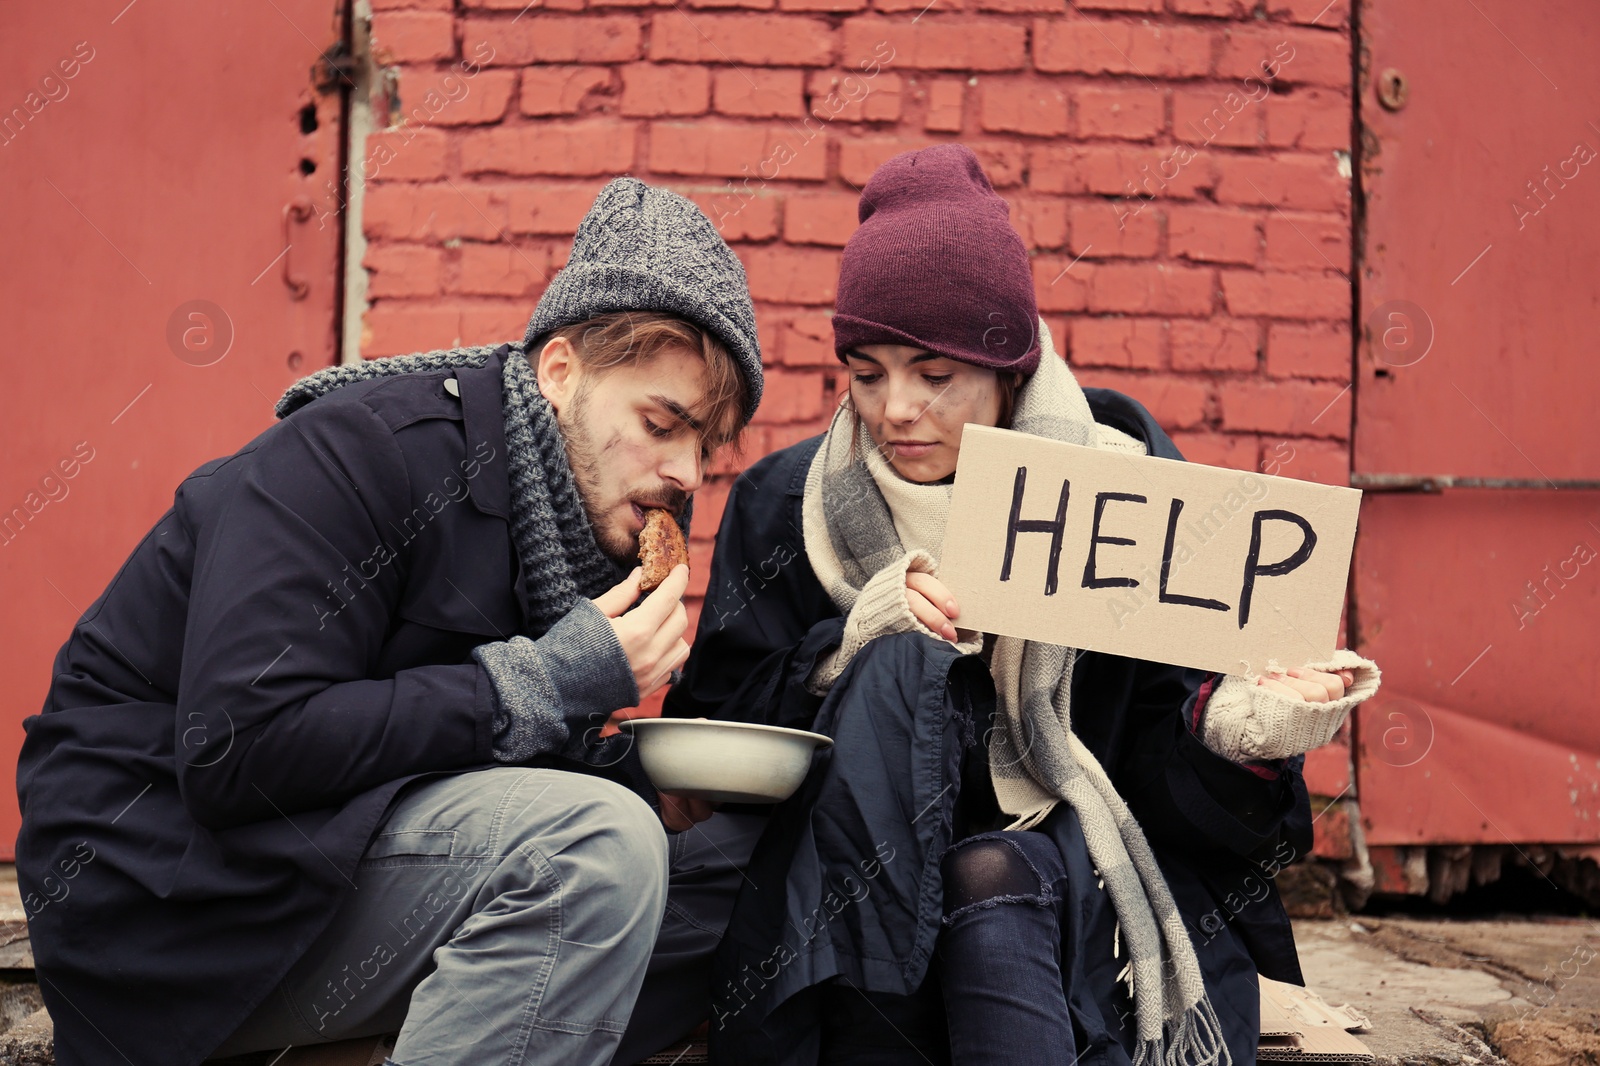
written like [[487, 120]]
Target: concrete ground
[[1522, 991]]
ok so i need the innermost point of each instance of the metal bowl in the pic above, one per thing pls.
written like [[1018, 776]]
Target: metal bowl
[[727, 762]]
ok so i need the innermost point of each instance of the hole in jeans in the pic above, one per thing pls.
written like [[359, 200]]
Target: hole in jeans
[[986, 869]]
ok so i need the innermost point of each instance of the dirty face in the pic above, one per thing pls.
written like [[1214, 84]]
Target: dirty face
[[914, 404], [634, 436]]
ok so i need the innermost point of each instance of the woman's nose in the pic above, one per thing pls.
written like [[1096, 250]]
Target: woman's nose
[[902, 406]]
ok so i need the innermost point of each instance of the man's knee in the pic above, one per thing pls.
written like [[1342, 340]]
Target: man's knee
[[611, 839], [628, 830]]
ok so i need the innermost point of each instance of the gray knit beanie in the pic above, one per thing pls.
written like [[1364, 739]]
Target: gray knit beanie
[[641, 248]]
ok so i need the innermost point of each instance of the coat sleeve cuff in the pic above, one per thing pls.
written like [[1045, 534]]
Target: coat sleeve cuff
[[551, 690], [1244, 720], [879, 610], [1266, 769]]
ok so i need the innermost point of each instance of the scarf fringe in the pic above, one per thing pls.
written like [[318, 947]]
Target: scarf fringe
[[1194, 1039], [1031, 819]]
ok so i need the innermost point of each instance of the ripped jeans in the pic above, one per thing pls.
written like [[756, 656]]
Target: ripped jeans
[[996, 994], [1000, 951]]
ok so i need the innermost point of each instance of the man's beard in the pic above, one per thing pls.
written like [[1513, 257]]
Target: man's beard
[[584, 459], [583, 456]]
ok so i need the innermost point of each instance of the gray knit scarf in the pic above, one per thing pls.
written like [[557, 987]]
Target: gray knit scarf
[[1035, 758], [548, 523]]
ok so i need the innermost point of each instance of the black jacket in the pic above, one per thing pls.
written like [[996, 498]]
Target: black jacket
[[284, 651], [1219, 828]]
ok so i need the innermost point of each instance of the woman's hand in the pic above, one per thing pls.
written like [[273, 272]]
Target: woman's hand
[[1303, 683], [1243, 722], [932, 604]]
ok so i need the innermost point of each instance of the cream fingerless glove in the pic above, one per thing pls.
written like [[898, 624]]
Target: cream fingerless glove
[[1244, 720], [880, 609]]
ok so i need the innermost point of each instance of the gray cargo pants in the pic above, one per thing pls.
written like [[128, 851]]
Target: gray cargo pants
[[513, 916]]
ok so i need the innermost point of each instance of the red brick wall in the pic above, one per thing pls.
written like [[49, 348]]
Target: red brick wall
[[1189, 218]]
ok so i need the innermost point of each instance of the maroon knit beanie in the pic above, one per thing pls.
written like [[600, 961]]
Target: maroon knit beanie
[[937, 265]]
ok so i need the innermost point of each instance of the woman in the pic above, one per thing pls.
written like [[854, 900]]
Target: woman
[[1014, 852]]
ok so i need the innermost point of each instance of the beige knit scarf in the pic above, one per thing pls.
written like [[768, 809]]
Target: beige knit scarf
[[870, 519]]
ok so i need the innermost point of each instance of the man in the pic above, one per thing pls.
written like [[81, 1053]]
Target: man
[[324, 760]]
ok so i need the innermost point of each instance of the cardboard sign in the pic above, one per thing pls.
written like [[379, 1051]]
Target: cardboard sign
[[1155, 559]]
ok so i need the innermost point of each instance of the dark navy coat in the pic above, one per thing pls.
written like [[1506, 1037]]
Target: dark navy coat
[[845, 882], [227, 723]]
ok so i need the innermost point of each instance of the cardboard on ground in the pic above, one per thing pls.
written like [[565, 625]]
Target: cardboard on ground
[[1192, 619], [1297, 1025]]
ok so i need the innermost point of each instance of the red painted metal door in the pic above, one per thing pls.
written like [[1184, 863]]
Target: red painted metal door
[[172, 234], [1477, 577]]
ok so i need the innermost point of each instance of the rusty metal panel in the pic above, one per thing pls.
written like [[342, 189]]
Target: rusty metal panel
[[1432, 776], [1479, 281], [1480, 172], [1482, 608], [172, 228], [1488, 603]]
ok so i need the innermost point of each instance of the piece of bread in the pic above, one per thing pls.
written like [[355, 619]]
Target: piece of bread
[[661, 547]]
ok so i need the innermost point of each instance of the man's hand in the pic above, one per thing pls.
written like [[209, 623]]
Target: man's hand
[[1312, 686], [651, 634], [932, 603], [681, 812]]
